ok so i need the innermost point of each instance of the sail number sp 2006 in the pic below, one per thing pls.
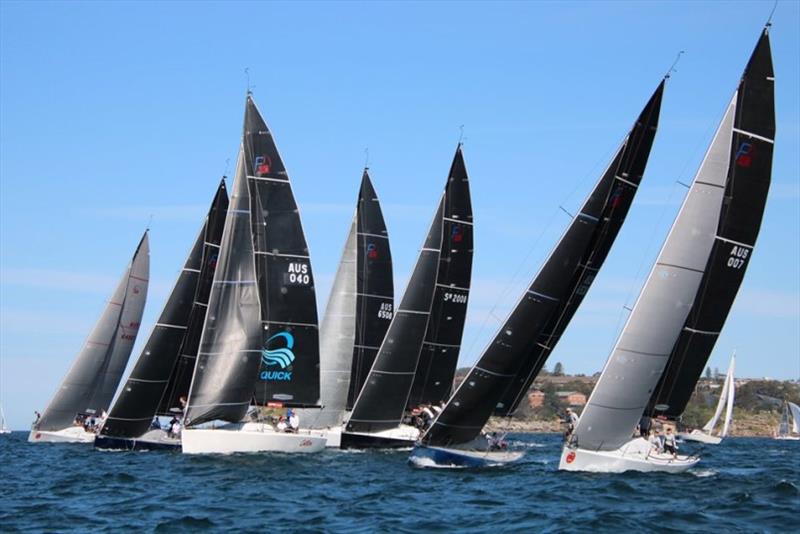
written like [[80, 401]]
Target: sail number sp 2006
[[297, 273], [737, 257], [455, 298]]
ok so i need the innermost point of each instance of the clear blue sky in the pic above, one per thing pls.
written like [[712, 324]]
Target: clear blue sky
[[112, 112]]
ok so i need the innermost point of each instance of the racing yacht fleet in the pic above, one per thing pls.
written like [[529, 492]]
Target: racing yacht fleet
[[238, 354]]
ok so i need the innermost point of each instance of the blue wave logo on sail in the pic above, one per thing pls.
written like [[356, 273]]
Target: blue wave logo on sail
[[282, 357]]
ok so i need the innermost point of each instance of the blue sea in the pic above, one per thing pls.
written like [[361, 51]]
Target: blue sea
[[744, 485]]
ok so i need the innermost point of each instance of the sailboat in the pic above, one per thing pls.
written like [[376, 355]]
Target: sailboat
[[88, 388], [3, 428], [726, 398], [160, 378], [438, 285], [686, 298], [259, 342], [520, 348], [359, 310], [786, 431]]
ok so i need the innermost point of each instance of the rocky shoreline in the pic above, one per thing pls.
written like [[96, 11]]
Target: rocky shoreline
[[746, 424]]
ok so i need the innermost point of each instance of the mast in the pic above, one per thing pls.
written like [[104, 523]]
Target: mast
[[554, 294], [439, 356], [231, 342], [701, 263], [91, 382], [139, 399], [289, 371], [749, 166]]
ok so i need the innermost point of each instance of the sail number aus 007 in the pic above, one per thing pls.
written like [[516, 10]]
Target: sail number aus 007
[[297, 273], [737, 257]]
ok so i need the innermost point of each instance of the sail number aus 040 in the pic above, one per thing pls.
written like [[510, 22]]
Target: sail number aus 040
[[297, 273], [737, 257]]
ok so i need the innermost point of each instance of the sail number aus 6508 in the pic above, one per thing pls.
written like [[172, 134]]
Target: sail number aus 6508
[[297, 273], [737, 257], [455, 297], [385, 311]]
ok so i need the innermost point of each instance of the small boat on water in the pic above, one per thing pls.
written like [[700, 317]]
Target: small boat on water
[[3, 428], [430, 318], [528, 336], [89, 386], [160, 378], [726, 399], [259, 343], [680, 312], [786, 430]]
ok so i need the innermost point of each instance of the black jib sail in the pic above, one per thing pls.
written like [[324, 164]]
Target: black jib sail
[[289, 372], [748, 180], [529, 334], [433, 381], [382, 401], [163, 369], [374, 286], [230, 346]]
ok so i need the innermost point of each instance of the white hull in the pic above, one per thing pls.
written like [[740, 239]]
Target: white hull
[[788, 438], [403, 436], [636, 455], [249, 437], [72, 434], [333, 436], [700, 437], [5, 431]]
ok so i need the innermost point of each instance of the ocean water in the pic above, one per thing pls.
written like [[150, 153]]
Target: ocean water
[[745, 485]]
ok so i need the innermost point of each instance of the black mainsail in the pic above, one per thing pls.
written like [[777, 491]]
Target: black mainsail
[[289, 371], [748, 179], [628, 168], [168, 352], [90, 384], [229, 352], [374, 286], [382, 400], [439, 356], [521, 346]]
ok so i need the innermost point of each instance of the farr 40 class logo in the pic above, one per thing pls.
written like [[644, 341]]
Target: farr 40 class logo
[[280, 358]]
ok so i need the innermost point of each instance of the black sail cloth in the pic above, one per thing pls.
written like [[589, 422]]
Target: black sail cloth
[[289, 371], [163, 369], [519, 349], [748, 181]]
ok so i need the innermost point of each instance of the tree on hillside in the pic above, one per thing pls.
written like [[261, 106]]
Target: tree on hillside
[[716, 373], [708, 372], [558, 370]]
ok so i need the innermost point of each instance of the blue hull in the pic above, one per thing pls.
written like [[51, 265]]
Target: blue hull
[[126, 444], [424, 456]]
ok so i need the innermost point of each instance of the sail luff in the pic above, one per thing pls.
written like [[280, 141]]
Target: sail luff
[[93, 377], [795, 410], [721, 402]]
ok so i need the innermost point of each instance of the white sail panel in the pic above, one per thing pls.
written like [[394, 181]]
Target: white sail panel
[[643, 348], [795, 409], [731, 385]]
